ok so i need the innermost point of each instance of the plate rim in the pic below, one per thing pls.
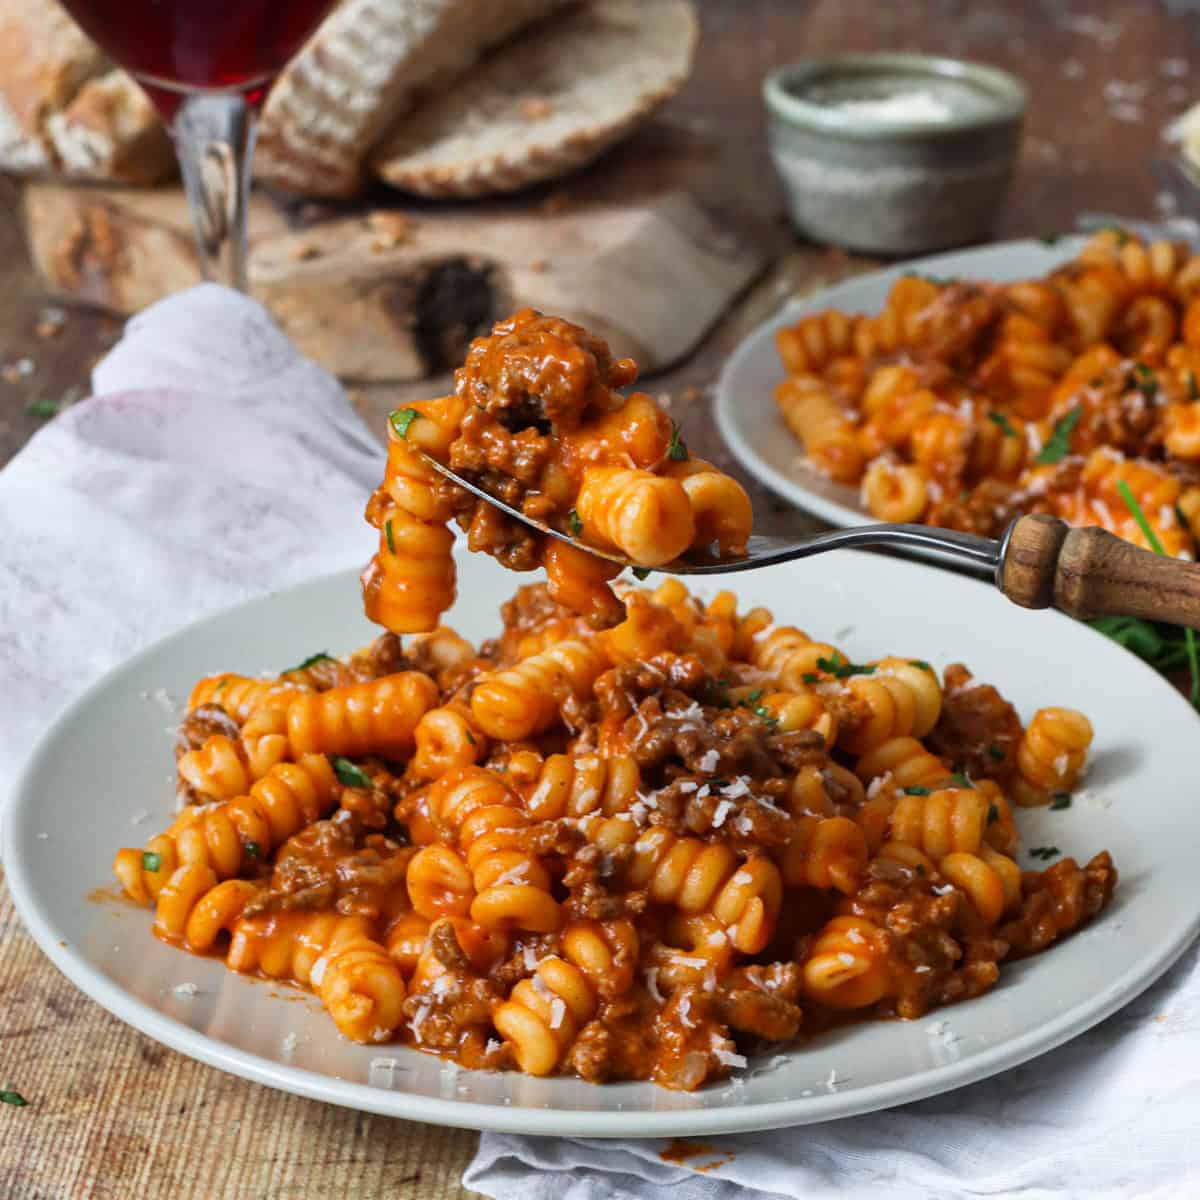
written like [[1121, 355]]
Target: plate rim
[[627, 1122], [725, 404]]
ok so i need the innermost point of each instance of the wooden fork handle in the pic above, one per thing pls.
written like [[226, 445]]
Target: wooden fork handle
[[1092, 573]]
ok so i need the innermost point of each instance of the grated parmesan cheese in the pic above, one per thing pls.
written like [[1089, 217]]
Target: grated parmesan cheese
[[727, 1058], [185, 989], [720, 813], [708, 761], [558, 1011], [652, 985]]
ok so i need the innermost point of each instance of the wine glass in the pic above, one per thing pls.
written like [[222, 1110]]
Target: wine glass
[[206, 65]]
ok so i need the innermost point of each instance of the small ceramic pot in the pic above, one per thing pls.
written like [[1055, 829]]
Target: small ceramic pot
[[893, 153]]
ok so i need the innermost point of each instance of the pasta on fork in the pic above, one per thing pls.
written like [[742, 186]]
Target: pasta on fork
[[537, 419]]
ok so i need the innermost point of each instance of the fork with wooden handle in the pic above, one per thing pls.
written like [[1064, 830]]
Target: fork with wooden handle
[[1040, 562]]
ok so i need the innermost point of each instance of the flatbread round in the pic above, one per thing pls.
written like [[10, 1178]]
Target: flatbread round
[[546, 102]]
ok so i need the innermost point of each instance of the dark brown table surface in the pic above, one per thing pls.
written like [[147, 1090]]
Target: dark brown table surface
[[113, 1115]]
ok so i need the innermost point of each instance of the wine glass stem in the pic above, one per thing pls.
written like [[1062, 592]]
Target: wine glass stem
[[214, 139]]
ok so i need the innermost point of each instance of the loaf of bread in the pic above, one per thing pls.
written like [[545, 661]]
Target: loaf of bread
[[64, 108], [546, 103], [364, 70]]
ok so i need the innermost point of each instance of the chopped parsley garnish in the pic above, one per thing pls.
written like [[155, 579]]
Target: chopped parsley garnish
[[915, 790], [1145, 380], [809, 677], [311, 661], [220, 686], [1061, 800], [469, 737], [574, 524], [920, 868], [13, 1098], [151, 861], [401, 419], [1120, 234], [253, 849], [1189, 636], [996, 753], [993, 814], [677, 449], [641, 572], [348, 774], [920, 662], [1059, 445], [839, 668], [718, 783], [767, 715], [387, 532], [1045, 852], [42, 408], [998, 418], [754, 697], [1050, 239], [962, 780]]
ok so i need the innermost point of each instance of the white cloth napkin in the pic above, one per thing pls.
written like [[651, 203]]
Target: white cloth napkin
[[1115, 1113], [213, 463]]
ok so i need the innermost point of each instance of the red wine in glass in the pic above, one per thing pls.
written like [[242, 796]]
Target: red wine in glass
[[206, 65]]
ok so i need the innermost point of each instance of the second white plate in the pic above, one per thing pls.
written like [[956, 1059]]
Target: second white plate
[[747, 415]]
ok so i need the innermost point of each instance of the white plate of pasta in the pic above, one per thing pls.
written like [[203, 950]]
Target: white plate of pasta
[[755, 939], [963, 389]]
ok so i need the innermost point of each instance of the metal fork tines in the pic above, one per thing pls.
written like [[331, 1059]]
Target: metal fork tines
[[967, 551]]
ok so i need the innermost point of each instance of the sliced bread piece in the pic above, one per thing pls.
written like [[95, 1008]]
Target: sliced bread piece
[[110, 130], [369, 64], [44, 59], [546, 103]]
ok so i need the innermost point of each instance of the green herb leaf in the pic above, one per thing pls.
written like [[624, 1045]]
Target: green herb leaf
[[767, 715], [641, 572], [1189, 636], [1045, 852], [996, 753], [677, 449], [1145, 380], [962, 780], [42, 408], [310, 661], [387, 530], [993, 814], [13, 1098], [469, 737], [151, 861], [840, 669], [1061, 800], [1059, 445], [1122, 235], [754, 697], [915, 790], [809, 677], [253, 849], [574, 524], [920, 868], [401, 419], [349, 774], [998, 418], [920, 662], [1050, 239], [221, 686]]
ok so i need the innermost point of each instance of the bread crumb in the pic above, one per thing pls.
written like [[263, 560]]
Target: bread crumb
[[536, 108], [50, 323]]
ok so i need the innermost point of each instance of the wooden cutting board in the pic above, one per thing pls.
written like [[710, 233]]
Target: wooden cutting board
[[640, 249]]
